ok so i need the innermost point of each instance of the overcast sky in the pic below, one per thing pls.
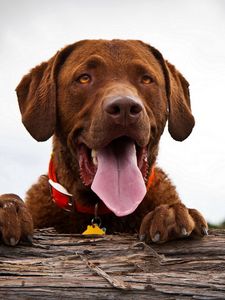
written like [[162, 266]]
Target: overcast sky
[[190, 34]]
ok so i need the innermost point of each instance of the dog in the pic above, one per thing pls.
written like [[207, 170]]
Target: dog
[[106, 104]]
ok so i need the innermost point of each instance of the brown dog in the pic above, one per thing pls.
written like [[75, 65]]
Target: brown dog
[[106, 104]]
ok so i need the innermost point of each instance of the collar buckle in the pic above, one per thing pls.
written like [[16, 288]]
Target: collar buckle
[[61, 197]]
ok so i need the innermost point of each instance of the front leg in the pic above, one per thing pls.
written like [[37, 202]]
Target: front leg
[[39, 202], [15, 220], [170, 222], [166, 218]]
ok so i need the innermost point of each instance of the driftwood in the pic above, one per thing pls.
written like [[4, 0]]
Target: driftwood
[[59, 266]]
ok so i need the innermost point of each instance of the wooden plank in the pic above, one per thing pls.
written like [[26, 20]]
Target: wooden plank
[[62, 266]]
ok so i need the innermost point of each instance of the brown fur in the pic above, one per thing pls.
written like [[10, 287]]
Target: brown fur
[[53, 103]]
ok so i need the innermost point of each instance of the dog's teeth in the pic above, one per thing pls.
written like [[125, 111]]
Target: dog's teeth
[[94, 157], [93, 153], [95, 162]]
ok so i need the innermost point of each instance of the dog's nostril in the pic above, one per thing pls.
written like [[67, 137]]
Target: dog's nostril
[[113, 109], [123, 107], [135, 109], [123, 110]]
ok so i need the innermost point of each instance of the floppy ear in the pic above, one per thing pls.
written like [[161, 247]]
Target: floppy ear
[[180, 120], [37, 96], [37, 100]]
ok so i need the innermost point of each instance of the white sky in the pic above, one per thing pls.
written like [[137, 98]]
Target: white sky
[[189, 33]]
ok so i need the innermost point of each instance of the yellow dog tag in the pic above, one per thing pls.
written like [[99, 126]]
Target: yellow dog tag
[[93, 229]]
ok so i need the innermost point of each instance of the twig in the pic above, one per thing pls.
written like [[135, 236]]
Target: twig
[[117, 283]]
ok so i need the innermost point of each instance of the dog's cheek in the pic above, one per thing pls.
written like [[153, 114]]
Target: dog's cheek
[[69, 105], [157, 120]]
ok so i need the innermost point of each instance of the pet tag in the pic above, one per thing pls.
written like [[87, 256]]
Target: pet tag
[[94, 229]]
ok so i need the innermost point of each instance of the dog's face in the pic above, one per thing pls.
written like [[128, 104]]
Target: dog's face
[[108, 101], [116, 89]]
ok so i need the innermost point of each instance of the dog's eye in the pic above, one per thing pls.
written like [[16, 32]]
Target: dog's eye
[[146, 79], [84, 79]]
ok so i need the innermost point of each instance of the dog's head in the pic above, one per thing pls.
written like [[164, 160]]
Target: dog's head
[[108, 102]]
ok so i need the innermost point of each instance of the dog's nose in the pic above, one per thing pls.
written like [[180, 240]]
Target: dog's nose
[[123, 110]]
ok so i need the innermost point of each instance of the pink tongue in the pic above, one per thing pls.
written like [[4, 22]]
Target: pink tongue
[[118, 181]]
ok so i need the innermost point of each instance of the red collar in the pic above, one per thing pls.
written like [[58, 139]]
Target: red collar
[[66, 201]]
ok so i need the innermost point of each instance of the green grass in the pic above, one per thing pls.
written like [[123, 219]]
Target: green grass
[[217, 226]]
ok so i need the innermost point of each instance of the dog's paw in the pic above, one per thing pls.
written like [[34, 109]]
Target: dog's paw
[[170, 222], [15, 220]]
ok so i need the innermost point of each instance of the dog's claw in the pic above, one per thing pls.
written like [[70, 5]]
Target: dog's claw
[[142, 237], [12, 241], [156, 238], [205, 231], [30, 239], [184, 232]]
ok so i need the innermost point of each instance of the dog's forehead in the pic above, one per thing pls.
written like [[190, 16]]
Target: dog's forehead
[[115, 51]]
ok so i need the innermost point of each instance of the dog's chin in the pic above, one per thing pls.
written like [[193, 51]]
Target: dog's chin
[[88, 158]]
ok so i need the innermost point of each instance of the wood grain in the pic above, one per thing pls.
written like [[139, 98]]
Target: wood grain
[[59, 266]]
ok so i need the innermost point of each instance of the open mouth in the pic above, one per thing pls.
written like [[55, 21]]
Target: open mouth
[[88, 158], [116, 173]]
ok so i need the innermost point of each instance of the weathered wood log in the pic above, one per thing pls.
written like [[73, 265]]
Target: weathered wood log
[[59, 266]]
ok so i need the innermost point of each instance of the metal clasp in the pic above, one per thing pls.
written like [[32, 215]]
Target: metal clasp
[[96, 220]]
